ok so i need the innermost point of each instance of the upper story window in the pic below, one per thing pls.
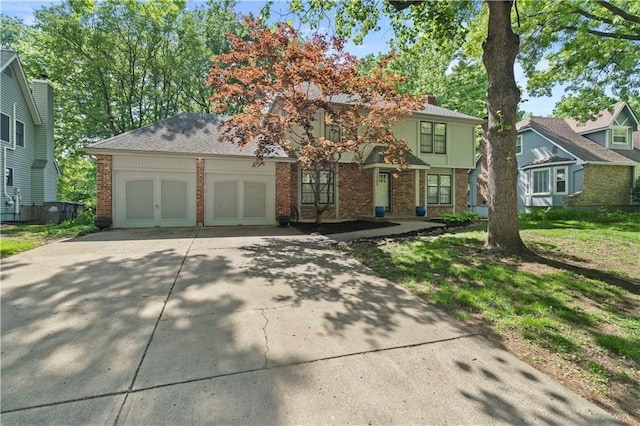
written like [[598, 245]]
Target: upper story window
[[519, 144], [19, 134], [541, 181], [4, 128], [332, 132], [561, 180], [433, 137], [8, 176], [620, 135]]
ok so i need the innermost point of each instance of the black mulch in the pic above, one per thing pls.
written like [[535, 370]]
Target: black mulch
[[340, 227]]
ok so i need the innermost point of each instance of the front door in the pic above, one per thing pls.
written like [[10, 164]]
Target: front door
[[383, 190]]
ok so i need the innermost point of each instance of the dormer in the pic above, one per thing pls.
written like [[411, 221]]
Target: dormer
[[612, 129]]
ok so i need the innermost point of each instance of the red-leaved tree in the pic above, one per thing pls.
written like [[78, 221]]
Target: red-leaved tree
[[286, 88]]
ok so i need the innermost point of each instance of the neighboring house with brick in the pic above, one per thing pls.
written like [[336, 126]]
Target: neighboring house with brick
[[26, 134], [563, 163], [177, 173]]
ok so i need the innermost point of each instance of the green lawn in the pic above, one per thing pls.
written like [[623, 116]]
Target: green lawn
[[18, 238], [575, 314]]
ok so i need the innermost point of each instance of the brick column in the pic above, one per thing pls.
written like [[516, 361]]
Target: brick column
[[104, 184], [283, 188], [462, 190], [200, 192]]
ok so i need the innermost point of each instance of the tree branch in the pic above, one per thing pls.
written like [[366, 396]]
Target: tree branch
[[621, 13], [618, 36]]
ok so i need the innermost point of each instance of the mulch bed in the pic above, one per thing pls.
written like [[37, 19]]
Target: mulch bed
[[340, 227]]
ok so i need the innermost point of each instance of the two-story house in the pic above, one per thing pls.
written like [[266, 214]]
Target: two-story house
[[26, 134], [565, 163], [177, 173]]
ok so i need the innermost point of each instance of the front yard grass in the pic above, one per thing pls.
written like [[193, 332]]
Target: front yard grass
[[575, 323], [18, 238]]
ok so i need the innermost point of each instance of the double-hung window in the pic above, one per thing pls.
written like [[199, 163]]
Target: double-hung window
[[541, 181], [326, 187], [519, 144], [8, 177], [433, 138], [438, 189], [620, 135], [561, 180], [332, 132], [4, 128], [19, 134]]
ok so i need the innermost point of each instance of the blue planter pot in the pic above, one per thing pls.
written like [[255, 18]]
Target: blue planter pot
[[380, 210], [421, 211]]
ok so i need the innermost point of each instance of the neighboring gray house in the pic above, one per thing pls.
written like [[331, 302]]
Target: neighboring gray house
[[564, 163], [26, 134]]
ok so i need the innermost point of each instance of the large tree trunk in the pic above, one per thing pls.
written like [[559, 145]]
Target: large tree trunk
[[499, 54]]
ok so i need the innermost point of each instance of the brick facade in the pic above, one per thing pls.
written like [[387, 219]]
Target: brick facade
[[355, 191], [286, 187], [403, 193], [461, 182], [104, 185], [604, 185]]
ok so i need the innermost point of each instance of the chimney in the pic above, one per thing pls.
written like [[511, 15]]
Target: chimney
[[431, 100], [44, 77]]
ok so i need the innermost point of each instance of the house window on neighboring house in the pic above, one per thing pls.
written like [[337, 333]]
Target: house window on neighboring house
[[433, 137], [541, 182], [8, 176], [332, 132], [19, 134], [4, 128], [438, 189], [561, 180], [620, 135], [519, 144], [326, 189]]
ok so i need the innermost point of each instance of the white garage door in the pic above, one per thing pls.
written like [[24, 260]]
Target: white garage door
[[238, 193], [154, 198]]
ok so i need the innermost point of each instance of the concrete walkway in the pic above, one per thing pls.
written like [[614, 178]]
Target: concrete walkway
[[403, 227], [245, 326]]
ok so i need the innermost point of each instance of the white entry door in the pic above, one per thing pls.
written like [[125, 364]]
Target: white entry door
[[383, 190]]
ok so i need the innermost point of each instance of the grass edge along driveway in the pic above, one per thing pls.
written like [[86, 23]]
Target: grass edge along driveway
[[584, 332]]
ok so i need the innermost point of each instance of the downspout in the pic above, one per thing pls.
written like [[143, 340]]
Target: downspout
[[9, 199]]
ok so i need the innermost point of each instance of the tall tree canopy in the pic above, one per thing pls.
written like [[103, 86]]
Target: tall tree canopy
[[590, 47], [119, 65], [285, 85]]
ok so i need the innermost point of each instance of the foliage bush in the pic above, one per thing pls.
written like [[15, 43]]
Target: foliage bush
[[601, 215], [464, 217]]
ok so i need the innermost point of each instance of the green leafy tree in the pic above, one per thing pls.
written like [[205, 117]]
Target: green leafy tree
[[117, 66], [590, 47]]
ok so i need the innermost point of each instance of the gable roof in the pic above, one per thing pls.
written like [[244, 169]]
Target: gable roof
[[558, 131], [376, 156], [605, 119], [185, 133], [10, 58], [429, 109]]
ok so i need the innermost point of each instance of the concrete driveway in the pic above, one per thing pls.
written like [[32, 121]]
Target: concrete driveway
[[245, 326]]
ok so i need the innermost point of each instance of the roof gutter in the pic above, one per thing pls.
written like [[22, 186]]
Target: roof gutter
[[196, 155]]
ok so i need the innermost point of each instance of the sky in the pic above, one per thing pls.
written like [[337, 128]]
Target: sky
[[373, 43]]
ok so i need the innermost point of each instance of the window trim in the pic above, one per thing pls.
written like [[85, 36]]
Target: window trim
[[519, 144], [433, 134], [566, 180], [439, 186], [18, 124], [8, 174], [331, 190], [2, 116], [533, 182], [327, 131], [626, 135]]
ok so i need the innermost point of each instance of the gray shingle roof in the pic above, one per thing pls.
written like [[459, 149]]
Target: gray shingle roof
[[605, 120], [185, 133], [560, 132], [376, 157], [346, 99]]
